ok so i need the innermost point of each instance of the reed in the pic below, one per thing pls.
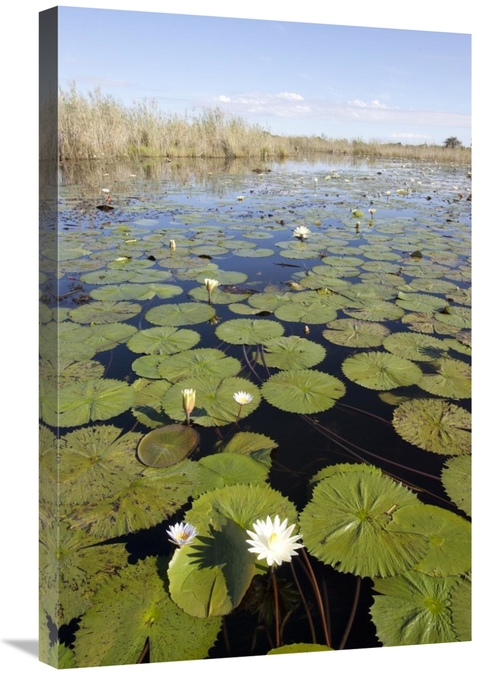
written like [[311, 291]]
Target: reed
[[99, 126]]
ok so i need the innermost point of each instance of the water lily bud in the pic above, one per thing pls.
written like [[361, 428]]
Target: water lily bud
[[188, 400], [171, 244]]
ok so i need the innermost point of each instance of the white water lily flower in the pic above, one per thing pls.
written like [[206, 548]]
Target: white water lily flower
[[188, 400], [301, 232], [106, 190], [242, 397], [171, 244], [182, 533], [211, 284], [273, 540]]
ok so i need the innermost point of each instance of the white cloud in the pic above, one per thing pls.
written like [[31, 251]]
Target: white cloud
[[423, 137], [367, 104], [224, 99], [290, 96]]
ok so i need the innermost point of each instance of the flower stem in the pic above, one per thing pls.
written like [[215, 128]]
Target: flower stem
[[318, 597], [353, 612], [301, 593], [276, 606]]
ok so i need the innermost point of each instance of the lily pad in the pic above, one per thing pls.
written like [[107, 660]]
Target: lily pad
[[93, 400], [287, 353], [256, 446], [461, 609], [300, 648], [346, 524], [197, 363], [215, 405], [302, 391], [225, 468], [451, 379], [183, 314], [163, 340], [355, 333], [374, 310], [134, 607], [381, 371], [449, 538], [248, 331], [434, 425], [420, 302], [413, 609], [457, 482], [105, 312], [167, 445], [415, 346]]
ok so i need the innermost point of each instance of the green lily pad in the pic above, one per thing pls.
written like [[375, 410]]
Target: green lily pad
[[225, 468], [423, 322], [215, 405], [197, 363], [130, 291], [299, 648], [374, 310], [420, 302], [256, 446], [93, 400], [346, 524], [381, 371], [449, 538], [183, 314], [313, 311], [415, 346], [147, 404], [106, 336], [302, 391], [134, 607], [144, 502], [212, 579], [459, 317], [96, 462], [248, 331], [167, 445], [355, 333], [105, 312], [413, 609], [218, 296], [288, 353], [163, 340], [434, 425], [457, 482], [451, 379], [461, 609]]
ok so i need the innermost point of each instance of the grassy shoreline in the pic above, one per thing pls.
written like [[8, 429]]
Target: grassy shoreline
[[96, 126]]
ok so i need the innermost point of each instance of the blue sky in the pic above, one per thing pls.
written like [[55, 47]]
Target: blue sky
[[394, 85]]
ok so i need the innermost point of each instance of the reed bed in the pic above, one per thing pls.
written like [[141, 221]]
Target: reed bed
[[99, 126]]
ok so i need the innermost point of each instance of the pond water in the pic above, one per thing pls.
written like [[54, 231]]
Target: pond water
[[352, 336]]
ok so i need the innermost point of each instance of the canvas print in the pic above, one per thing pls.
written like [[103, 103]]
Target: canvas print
[[255, 337]]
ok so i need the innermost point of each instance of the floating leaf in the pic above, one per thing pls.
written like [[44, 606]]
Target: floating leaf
[[163, 340], [459, 317], [355, 333], [292, 352], [96, 462], [107, 336], [128, 291], [416, 347], [449, 538], [197, 363], [345, 524], [215, 405], [451, 379], [420, 302], [378, 370], [299, 648], [374, 310], [413, 609], [183, 314], [134, 607], [218, 296], [434, 425], [105, 312], [225, 468], [147, 404], [248, 331], [93, 400], [461, 609], [144, 502], [256, 446], [313, 311], [167, 445], [427, 323], [303, 391], [212, 579], [456, 479]]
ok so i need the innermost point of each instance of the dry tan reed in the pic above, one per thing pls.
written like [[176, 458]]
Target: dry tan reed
[[96, 126]]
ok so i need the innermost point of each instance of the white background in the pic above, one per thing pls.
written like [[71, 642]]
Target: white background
[[19, 329]]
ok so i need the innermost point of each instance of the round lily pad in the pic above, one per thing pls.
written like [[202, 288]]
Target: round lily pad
[[381, 371], [183, 314], [163, 340], [415, 346], [288, 353], [450, 378], [197, 363], [302, 391], [434, 425], [345, 524], [105, 312], [355, 333], [93, 400], [167, 445], [457, 481], [248, 331]]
